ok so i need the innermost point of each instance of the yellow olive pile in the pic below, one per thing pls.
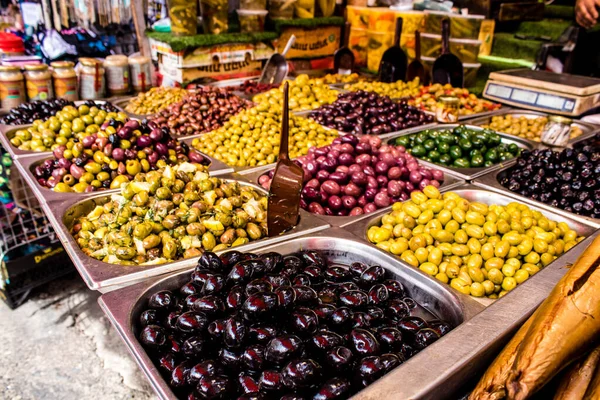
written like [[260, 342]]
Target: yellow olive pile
[[341, 78], [394, 90], [170, 214], [305, 94], [478, 249], [527, 128], [251, 138], [155, 99]]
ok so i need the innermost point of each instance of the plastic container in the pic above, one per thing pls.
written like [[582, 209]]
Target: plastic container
[[141, 73], [253, 4], [214, 16], [470, 70], [38, 82], [304, 8], [382, 20], [117, 75], [12, 87], [65, 80], [379, 42], [461, 26], [92, 83], [281, 9], [184, 17], [358, 17], [252, 21], [411, 21], [465, 49], [358, 42], [11, 45]]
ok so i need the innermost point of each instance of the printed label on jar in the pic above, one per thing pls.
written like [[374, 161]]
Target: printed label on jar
[[66, 88], [141, 77], [12, 94], [91, 88], [118, 79], [39, 89]]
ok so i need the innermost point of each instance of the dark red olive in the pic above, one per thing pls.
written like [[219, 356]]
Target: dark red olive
[[410, 302], [397, 309], [199, 276], [167, 363], [216, 329], [270, 381], [204, 369], [173, 344], [292, 265], [390, 338], [328, 295], [150, 317], [299, 374], [340, 358], [193, 347], [261, 333], [162, 300], [378, 294], [260, 306], [277, 280], [253, 357], [241, 273], [211, 305], [368, 370], [179, 376], [213, 284], [283, 348], [305, 295], [375, 315], [372, 275], [360, 320], [235, 298], [230, 359], [235, 332], [313, 257], [364, 342], [251, 396], [304, 321], [425, 337], [353, 298], [273, 261], [314, 274], [192, 322], [440, 327], [230, 258], [325, 340], [211, 261], [334, 389], [411, 325], [406, 351], [286, 296], [248, 384], [153, 336], [324, 311], [336, 274], [341, 319], [258, 285], [301, 280], [395, 288], [390, 361], [189, 288], [171, 320], [358, 268], [215, 387], [344, 287]]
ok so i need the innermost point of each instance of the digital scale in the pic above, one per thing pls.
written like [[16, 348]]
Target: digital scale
[[544, 91]]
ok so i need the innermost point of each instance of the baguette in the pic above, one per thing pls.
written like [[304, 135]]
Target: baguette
[[564, 327], [574, 384]]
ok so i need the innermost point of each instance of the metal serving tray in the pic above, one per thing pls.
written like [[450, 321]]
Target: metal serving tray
[[26, 166], [586, 128], [123, 307], [471, 173], [492, 182], [98, 274], [450, 181]]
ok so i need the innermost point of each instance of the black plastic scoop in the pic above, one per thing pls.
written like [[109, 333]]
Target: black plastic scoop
[[392, 66], [447, 68], [343, 58], [416, 68], [286, 186]]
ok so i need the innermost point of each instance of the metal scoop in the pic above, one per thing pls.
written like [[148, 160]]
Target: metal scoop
[[415, 68], [276, 68], [284, 194]]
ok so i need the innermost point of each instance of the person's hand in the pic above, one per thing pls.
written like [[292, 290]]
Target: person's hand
[[586, 13]]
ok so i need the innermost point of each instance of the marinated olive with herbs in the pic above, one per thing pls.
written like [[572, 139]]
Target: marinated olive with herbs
[[479, 249], [394, 90], [155, 100], [527, 128], [305, 94], [286, 345]]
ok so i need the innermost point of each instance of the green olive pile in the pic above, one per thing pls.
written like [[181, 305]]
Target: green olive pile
[[480, 250], [70, 122], [251, 138], [394, 90], [305, 94], [170, 214], [460, 147]]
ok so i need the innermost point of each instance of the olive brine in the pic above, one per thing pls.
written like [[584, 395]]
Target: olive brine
[[269, 326]]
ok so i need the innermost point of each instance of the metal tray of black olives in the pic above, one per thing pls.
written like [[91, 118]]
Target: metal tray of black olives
[[449, 182], [587, 129], [469, 173], [491, 182], [44, 194], [99, 275], [415, 378]]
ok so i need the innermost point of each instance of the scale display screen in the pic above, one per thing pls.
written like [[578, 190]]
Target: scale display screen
[[530, 98]]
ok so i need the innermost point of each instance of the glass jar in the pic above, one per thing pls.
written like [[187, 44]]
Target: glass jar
[[117, 75], [12, 87], [281, 9], [184, 17], [65, 80], [38, 82], [557, 131], [215, 16], [91, 79], [446, 111], [141, 73]]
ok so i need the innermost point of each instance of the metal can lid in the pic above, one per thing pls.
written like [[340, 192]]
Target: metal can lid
[[89, 62], [449, 100], [9, 68], [560, 119], [138, 59], [62, 64], [36, 67]]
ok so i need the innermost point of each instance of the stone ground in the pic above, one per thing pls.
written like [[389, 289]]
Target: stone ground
[[59, 345]]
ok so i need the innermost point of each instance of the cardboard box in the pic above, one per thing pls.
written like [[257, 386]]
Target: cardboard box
[[216, 71], [310, 42]]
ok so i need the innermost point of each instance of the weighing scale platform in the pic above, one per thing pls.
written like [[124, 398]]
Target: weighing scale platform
[[544, 91]]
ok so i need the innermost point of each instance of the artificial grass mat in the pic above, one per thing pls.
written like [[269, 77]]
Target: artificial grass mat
[[180, 43]]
